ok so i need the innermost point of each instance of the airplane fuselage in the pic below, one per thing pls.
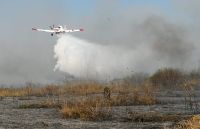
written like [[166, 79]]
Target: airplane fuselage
[[57, 30]]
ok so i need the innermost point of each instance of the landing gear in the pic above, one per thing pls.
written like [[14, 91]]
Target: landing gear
[[51, 34]]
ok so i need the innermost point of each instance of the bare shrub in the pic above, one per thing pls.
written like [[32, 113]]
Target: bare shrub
[[191, 102], [167, 78]]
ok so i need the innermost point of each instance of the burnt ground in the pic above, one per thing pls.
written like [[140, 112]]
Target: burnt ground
[[123, 117]]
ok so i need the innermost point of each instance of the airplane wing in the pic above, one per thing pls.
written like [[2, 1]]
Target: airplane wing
[[49, 31], [73, 30]]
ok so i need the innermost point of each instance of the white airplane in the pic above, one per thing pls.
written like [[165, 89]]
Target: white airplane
[[57, 30]]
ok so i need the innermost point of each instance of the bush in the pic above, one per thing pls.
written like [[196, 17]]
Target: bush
[[92, 109], [167, 78]]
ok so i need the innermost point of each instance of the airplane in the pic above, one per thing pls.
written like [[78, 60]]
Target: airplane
[[57, 30]]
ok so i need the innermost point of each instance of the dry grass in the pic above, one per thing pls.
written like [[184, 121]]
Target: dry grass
[[43, 104], [4, 92], [48, 90], [88, 109], [30, 91], [92, 106], [163, 78], [83, 88], [143, 95], [75, 89], [100, 108], [95, 107], [17, 92], [120, 95], [190, 123]]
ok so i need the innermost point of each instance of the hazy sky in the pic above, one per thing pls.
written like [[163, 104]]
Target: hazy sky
[[29, 56]]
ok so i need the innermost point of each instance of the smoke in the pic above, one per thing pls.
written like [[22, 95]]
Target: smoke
[[169, 42], [84, 59], [120, 38], [159, 43], [117, 45]]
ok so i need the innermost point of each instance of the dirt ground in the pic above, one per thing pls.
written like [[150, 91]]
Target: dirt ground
[[13, 117]]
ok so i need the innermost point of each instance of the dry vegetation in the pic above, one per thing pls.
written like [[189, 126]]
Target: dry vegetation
[[92, 103], [166, 78], [88, 109], [83, 88], [190, 123], [100, 108], [96, 100], [94, 107], [29, 91], [143, 95]]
